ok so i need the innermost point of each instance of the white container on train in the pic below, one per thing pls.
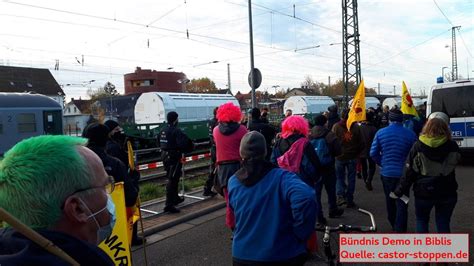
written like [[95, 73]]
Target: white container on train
[[390, 102], [369, 102], [301, 105], [152, 107]]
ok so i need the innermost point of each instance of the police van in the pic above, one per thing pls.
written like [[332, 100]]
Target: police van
[[456, 99]]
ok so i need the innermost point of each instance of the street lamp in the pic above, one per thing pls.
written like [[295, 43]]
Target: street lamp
[[212, 62], [442, 71]]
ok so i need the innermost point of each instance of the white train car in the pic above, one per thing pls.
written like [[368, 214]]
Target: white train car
[[390, 102], [152, 107], [301, 105], [369, 102]]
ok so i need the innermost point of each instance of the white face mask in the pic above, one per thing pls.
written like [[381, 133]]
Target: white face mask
[[105, 231]]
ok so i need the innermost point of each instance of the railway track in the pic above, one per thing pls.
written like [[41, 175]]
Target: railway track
[[158, 176]]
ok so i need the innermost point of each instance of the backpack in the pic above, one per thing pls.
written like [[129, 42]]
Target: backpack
[[321, 148]]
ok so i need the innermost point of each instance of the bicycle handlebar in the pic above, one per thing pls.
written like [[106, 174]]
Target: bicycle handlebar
[[352, 228]]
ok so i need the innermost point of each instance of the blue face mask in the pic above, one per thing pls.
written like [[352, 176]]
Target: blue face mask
[[105, 231]]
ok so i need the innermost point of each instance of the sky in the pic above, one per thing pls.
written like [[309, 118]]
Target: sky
[[401, 40]]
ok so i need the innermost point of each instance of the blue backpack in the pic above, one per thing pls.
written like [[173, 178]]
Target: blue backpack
[[322, 150]]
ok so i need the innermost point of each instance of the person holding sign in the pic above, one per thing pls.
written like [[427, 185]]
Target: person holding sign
[[59, 188]]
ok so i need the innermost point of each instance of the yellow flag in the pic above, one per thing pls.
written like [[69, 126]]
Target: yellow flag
[[408, 107], [357, 111], [117, 245], [131, 159]]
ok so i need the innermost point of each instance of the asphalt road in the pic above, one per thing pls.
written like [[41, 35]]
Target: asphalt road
[[210, 244]]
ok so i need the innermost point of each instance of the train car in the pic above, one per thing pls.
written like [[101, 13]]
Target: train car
[[24, 115], [391, 102], [308, 106], [195, 111], [369, 102]]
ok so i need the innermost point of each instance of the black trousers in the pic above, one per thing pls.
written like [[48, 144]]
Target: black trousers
[[173, 173], [367, 174], [212, 170]]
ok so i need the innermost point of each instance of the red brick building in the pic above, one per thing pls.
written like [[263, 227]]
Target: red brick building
[[147, 80]]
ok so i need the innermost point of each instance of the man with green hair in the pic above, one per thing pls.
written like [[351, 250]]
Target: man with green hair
[[59, 188]]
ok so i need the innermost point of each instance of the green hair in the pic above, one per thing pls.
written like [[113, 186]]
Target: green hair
[[38, 174]]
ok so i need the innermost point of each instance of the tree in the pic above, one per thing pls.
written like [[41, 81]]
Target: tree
[[201, 85], [108, 90], [311, 84]]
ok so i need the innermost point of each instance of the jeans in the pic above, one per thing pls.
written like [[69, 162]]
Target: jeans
[[328, 180], [343, 189], [397, 210], [443, 210]]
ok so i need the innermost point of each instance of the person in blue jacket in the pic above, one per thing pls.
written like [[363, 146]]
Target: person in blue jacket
[[389, 150], [275, 212]]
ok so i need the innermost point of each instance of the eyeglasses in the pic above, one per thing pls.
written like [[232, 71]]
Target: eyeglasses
[[109, 187]]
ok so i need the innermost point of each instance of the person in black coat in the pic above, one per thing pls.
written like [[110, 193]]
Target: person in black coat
[[116, 147], [97, 134], [212, 168], [173, 143], [266, 129], [333, 116]]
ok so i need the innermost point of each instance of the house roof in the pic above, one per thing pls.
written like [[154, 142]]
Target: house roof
[[306, 91], [82, 105], [25, 79]]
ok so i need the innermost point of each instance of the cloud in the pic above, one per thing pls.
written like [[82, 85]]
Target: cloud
[[114, 39]]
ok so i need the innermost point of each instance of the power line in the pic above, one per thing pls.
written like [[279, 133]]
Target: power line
[[464, 43], [440, 10], [408, 49]]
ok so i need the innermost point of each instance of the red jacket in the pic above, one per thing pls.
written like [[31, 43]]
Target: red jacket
[[227, 137]]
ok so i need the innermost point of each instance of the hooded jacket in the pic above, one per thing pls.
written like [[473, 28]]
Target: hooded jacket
[[275, 213], [227, 137], [118, 170], [16, 249], [431, 167]]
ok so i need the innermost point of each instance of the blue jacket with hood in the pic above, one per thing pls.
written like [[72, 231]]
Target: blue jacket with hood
[[275, 213]]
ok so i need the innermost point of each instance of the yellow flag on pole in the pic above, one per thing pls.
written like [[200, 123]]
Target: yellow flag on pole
[[408, 107], [131, 157], [357, 111]]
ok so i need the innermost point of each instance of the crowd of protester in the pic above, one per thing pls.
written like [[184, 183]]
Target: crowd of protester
[[271, 177], [279, 195]]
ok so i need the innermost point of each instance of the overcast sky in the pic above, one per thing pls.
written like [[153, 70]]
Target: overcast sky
[[400, 40]]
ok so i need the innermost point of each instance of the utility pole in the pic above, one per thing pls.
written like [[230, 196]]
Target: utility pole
[[378, 88], [454, 69], [228, 76], [394, 90], [252, 85], [350, 46], [329, 81]]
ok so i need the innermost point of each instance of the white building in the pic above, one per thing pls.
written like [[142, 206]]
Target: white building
[[76, 115]]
